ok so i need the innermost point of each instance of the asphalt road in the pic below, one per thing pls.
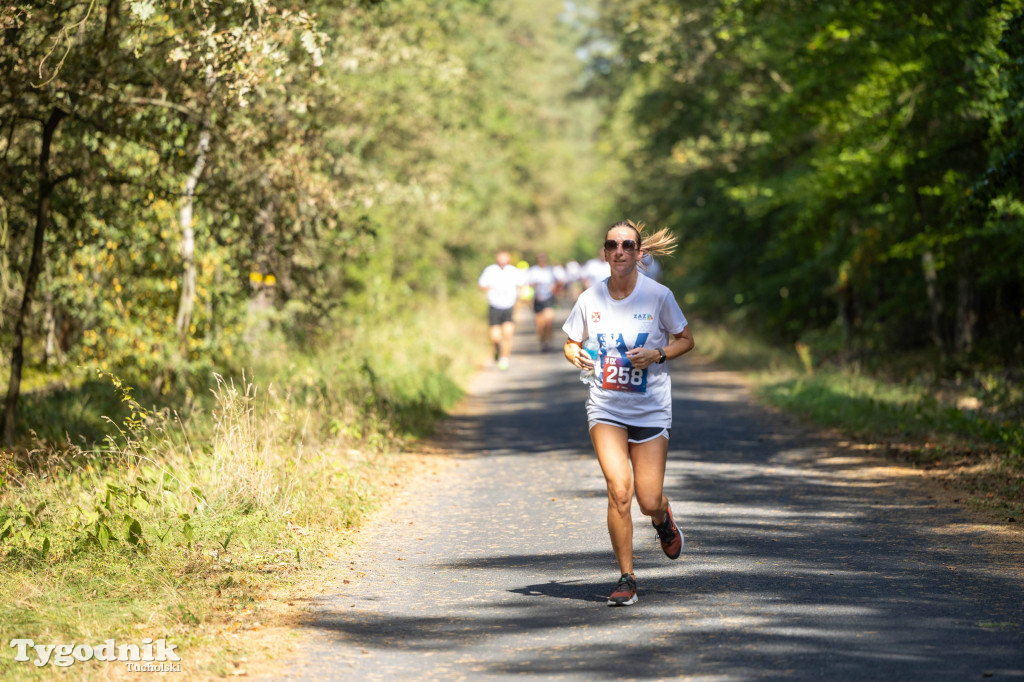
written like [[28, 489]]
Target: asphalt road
[[803, 561]]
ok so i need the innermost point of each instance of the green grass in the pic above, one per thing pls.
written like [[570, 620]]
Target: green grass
[[869, 407], [968, 431]]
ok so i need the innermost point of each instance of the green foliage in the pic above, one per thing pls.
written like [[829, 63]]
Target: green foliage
[[341, 174], [350, 165], [852, 162]]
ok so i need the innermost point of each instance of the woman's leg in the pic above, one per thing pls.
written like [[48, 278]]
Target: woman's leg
[[613, 453], [545, 326], [649, 473]]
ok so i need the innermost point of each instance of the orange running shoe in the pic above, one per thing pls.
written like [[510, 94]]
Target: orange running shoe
[[670, 536], [625, 591]]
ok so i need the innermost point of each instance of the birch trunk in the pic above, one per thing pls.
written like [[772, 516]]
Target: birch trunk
[[187, 247]]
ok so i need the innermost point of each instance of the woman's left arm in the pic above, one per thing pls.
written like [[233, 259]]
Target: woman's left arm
[[680, 344]]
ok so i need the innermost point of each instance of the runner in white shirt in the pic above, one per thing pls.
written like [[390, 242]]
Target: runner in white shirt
[[573, 280], [595, 270], [501, 281], [546, 283], [639, 326]]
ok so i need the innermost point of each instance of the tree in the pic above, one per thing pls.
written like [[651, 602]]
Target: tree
[[813, 155], [125, 83]]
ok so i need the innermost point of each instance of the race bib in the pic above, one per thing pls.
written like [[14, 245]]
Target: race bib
[[619, 374]]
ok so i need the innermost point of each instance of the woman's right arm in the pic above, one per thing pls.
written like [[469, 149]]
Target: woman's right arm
[[577, 357]]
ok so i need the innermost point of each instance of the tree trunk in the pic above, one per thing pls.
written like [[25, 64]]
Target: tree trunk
[[51, 348], [966, 313], [934, 304], [842, 290], [35, 266], [187, 248]]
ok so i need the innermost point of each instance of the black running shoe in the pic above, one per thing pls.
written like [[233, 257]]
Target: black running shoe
[[624, 593], [670, 536]]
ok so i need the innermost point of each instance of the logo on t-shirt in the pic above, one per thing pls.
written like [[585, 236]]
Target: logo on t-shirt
[[595, 317], [646, 317]]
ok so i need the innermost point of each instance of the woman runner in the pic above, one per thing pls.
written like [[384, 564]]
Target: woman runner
[[639, 327]]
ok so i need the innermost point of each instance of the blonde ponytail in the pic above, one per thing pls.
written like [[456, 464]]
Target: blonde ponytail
[[660, 243]]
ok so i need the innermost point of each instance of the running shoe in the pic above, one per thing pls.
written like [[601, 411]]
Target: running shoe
[[670, 536], [503, 364], [624, 593]]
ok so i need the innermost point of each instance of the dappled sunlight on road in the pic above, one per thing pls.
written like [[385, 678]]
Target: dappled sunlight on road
[[804, 559]]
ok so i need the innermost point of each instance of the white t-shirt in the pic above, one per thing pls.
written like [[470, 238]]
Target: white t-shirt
[[561, 276], [647, 317], [502, 284], [595, 270], [543, 280]]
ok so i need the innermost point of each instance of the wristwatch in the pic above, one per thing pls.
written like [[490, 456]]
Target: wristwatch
[[661, 352]]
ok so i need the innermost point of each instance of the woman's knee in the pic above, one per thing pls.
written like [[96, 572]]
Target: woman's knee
[[620, 497], [650, 504]]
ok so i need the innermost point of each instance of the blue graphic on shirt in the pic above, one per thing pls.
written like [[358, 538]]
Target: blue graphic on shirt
[[618, 373], [618, 341]]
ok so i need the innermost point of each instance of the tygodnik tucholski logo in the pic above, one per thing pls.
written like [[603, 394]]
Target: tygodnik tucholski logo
[[150, 656]]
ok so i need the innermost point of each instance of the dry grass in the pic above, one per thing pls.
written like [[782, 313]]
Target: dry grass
[[204, 532]]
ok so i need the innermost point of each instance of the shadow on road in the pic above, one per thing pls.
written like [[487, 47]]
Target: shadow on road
[[800, 562]]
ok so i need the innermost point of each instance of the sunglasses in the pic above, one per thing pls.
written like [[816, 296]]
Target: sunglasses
[[628, 245]]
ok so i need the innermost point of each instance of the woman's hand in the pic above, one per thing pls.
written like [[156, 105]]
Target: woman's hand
[[575, 354], [642, 358]]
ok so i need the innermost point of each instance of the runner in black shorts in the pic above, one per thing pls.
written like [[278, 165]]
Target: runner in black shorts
[[639, 326], [637, 434], [501, 281], [545, 283], [499, 316]]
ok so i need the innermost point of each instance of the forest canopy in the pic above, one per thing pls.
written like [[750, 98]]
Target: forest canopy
[[186, 184], [189, 183], [847, 169]]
